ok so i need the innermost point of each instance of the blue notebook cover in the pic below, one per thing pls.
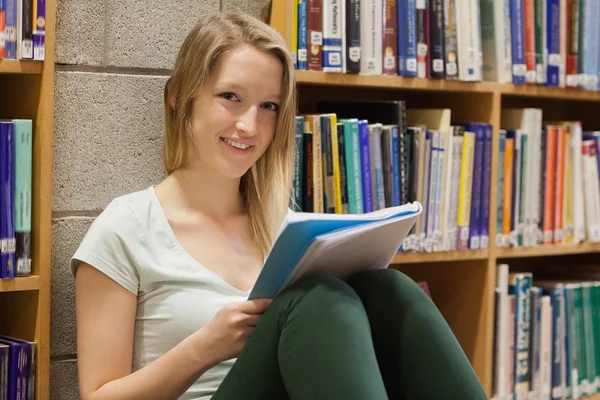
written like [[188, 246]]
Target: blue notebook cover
[[296, 237], [7, 229]]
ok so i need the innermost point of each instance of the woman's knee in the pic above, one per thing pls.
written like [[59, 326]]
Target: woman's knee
[[386, 282]]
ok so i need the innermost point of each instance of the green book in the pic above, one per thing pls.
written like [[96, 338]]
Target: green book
[[22, 194], [352, 159]]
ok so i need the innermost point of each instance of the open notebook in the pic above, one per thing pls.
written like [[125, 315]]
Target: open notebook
[[333, 244]]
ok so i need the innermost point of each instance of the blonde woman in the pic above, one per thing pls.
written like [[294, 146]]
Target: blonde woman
[[163, 275]]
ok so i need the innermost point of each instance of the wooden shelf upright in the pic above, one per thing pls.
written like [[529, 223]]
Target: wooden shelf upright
[[462, 283], [27, 89]]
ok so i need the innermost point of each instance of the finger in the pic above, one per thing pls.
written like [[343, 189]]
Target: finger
[[257, 306], [252, 320]]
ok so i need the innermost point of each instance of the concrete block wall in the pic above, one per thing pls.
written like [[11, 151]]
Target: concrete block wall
[[112, 62]]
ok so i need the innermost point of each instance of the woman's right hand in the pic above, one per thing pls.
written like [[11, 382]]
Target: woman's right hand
[[231, 326]]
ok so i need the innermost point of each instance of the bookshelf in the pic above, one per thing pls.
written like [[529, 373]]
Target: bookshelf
[[25, 301], [462, 283]]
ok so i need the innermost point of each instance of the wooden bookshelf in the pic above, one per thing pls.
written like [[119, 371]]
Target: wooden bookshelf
[[25, 301], [462, 283]]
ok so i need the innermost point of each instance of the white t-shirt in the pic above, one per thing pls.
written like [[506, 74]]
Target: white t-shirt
[[132, 242]]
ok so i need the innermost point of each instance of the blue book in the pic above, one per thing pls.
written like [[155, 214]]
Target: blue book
[[520, 286], [365, 162], [479, 129], [486, 172], [352, 153], [517, 28], [500, 191], [302, 32], [296, 198], [395, 167], [19, 357], [7, 228], [553, 42], [407, 38], [338, 245], [10, 31]]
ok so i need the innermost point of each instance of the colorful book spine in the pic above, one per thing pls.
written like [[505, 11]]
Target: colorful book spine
[[549, 182], [352, 152], [475, 220], [315, 35], [7, 229], [377, 187], [341, 139], [365, 160], [39, 29], [302, 35], [561, 148], [390, 37], [332, 36], [553, 43], [529, 36], [520, 285], [407, 38], [450, 44], [307, 173], [436, 42], [371, 37], [500, 190], [518, 41], [353, 36], [19, 356], [540, 41], [25, 44], [509, 148], [2, 26], [486, 172], [572, 78], [395, 167], [23, 137], [421, 22], [10, 30], [464, 200]]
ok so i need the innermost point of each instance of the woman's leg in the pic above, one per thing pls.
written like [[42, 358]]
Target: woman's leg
[[419, 356], [313, 342]]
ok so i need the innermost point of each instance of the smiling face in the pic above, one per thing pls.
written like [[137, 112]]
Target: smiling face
[[234, 118]]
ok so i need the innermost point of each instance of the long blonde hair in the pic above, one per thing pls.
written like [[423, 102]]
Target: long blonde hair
[[266, 187]]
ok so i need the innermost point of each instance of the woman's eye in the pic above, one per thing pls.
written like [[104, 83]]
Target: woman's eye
[[271, 106], [229, 96]]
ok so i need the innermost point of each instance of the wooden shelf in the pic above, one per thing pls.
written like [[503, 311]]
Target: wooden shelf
[[20, 284], [443, 256], [548, 250], [20, 67], [441, 85]]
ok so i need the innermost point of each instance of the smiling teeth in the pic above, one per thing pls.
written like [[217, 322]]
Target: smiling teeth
[[236, 144]]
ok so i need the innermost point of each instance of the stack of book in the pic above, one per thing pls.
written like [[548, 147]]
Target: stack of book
[[535, 42], [358, 157], [22, 29], [547, 334], [548, 181]]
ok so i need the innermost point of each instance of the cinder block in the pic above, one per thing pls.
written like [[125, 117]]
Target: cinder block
[[257, 8], [64, 382], [107, 137], [148, 33], [67, 233], [79, 32]]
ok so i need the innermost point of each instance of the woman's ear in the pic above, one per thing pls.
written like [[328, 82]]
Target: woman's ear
[[171, 93]]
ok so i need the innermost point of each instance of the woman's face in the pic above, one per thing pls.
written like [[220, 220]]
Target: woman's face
[[234, 118]]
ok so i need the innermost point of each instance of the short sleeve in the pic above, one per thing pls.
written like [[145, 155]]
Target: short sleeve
[[111, 245]]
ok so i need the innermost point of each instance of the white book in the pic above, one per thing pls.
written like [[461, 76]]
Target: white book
[[495, 40], [514, 234], [437, 232], [332, 35], [546, 349], [502, 333], [579, 228], [433, 184], [468, 39], [446, 224], [595, 192], [371, 37], [456, 169]]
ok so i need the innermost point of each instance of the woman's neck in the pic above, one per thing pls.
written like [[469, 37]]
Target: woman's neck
[[203, 191]]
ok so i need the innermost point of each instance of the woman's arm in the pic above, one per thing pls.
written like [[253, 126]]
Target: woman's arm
[[105, 328]]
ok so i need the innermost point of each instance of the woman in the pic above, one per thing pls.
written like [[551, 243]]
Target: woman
[[163, 274]]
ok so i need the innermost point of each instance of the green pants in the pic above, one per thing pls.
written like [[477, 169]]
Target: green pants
[[377, 336]]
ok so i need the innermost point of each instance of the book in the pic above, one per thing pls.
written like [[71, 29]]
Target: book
[[337, 245]]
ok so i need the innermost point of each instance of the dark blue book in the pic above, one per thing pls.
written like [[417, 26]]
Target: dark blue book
[[517, 28], [19, 358], [485, 187], [407, 38], [479, 129], [553, 42], [7, 228], [365, 163]]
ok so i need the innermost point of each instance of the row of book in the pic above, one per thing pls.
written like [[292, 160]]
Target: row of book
[[17, 368], [22, 29], [547, 334], [548, 181], [537, 42], [16, 157], [358, 157]]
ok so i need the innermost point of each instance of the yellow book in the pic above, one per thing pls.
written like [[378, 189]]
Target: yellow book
[[466, 181], [335, 157], [295, 32]]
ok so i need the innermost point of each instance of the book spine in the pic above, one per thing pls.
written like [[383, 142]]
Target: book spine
[[466, 180], [540, 41], [7, 230], [420, 14], [302, 35], [437, 236], [425, 187], [2, 26], [22, 202], [529, 36], [508, 192], [26, 42], [518, 41], [296, 198], [468, 40], [386, 157], [474, 234], [308, 189], [572, 79], [332, 36], [433, 184], [522, 190], [390, 37], [500, 190], [335, 162], [315, 35], [343, 186], [548, 228], [10, 30], [520, 286], [403, 157], [485, 188], [457, 164], [39, 29], [407, 40], [569, 187], [450, 40], [516, 186], [353, 36], [535, 339], [561, 145], [371, 31], [377, 188], [436, 43], [553, 43], [396, 200], [365, 153]]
